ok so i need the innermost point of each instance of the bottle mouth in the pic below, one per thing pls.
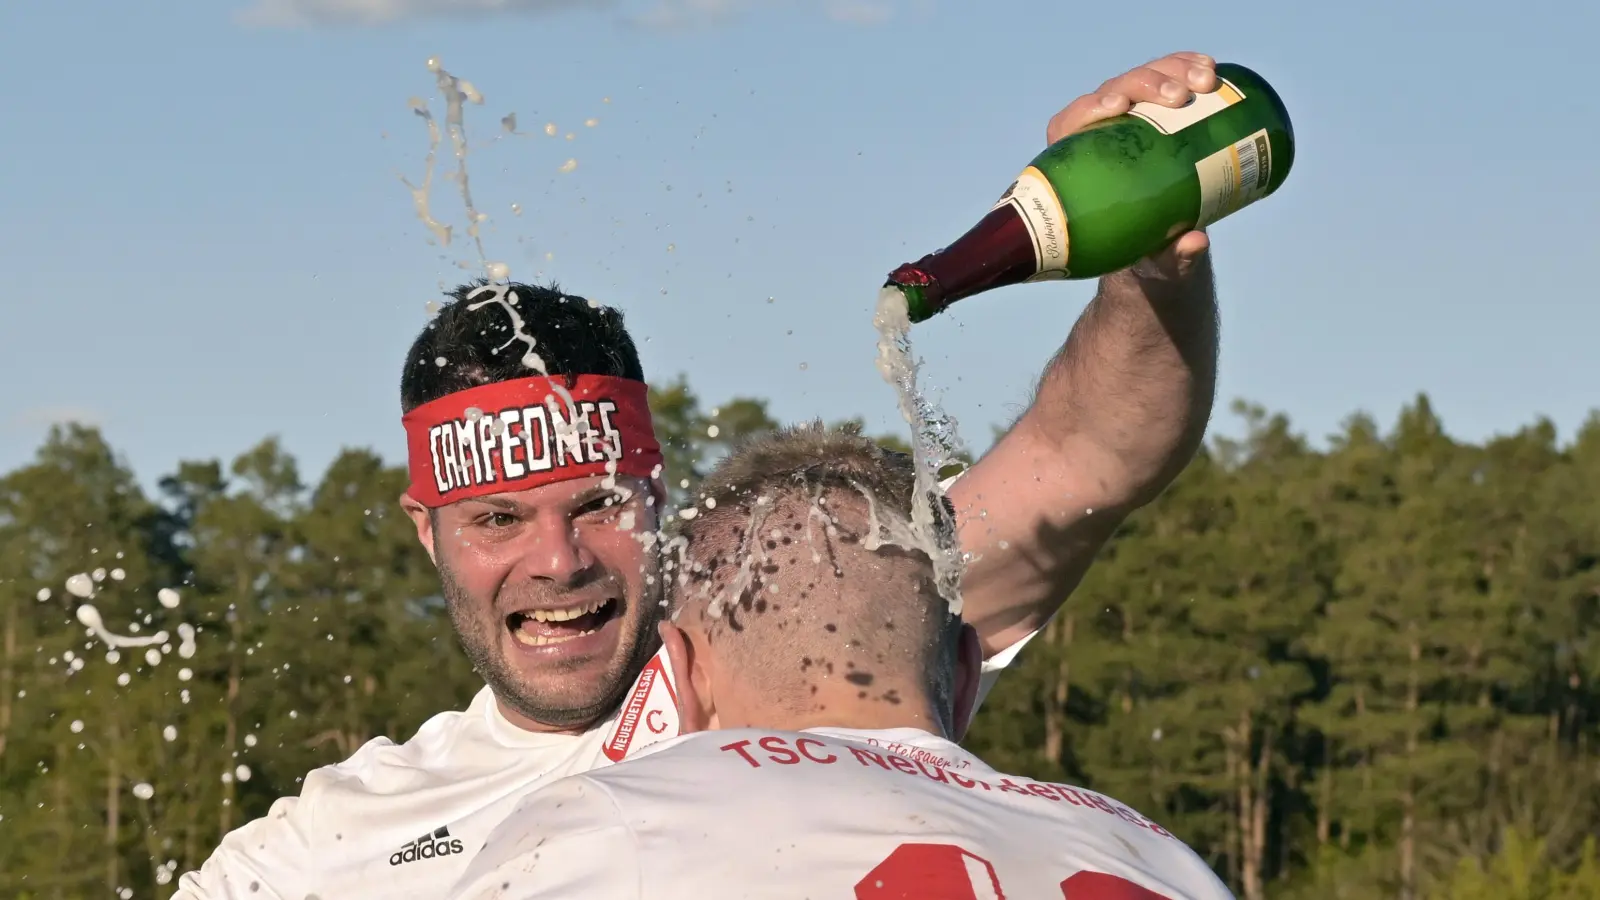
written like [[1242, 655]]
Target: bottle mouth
[[920, 290], [909, 275]]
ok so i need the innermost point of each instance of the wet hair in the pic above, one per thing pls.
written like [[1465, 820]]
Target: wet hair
[[465, 347], [777, 571]]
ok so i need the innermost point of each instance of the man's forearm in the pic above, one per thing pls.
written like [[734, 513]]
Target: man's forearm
[[1136, 379], [1117, 415]]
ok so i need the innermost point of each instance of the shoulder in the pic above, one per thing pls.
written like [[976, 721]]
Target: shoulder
[[572, 804], [742, 765], [441, 746], [571, 833]]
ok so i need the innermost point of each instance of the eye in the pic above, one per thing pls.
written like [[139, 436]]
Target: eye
[[498, 520], [600, 507]]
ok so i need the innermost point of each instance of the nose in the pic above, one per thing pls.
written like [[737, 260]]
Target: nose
[[555, 552]]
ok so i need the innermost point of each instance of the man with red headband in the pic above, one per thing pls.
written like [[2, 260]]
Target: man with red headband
[[822, 682], [535, 487]]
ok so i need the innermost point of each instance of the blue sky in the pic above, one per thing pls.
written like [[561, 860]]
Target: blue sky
[[206, 240]]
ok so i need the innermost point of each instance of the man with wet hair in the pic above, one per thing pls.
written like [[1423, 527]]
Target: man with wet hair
[[535, 486], [827, 680]]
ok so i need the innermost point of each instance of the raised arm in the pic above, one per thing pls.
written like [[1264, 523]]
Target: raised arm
[[1118, 413]]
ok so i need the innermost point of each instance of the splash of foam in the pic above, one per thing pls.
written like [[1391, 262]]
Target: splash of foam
[[935, 443], [457, 93], [752, 556], [89, 616], [421, 195], [886, 530], [503, 296], [186, 647]]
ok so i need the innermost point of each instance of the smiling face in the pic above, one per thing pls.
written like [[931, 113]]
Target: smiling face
[[554, 593]]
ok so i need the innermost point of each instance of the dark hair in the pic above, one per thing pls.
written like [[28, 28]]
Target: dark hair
[[464, 347]]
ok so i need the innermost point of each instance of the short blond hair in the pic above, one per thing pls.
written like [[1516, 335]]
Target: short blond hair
[[779, 565]]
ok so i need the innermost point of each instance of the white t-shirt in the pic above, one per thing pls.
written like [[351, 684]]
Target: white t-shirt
[[826, 814], [403, 820]]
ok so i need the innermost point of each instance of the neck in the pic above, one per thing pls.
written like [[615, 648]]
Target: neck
[[843, 706], [537, 727]]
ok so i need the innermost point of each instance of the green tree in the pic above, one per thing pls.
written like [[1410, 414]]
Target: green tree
[[1362, 671]]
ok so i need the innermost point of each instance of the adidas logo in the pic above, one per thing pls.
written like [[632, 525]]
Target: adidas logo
[[439, 843]]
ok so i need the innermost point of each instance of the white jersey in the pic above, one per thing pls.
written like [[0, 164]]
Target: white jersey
[[827, 814], [403, 820]]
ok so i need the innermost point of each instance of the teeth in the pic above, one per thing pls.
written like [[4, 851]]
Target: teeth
[[562, 615], [540, 640]]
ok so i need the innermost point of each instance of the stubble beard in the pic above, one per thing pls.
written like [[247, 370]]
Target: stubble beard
[[478, 632]]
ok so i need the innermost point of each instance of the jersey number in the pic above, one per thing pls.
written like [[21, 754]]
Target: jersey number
[[947, 872]]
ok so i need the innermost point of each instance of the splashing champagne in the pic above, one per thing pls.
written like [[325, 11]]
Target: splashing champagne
[[1097, 201], [935, 444], [457, 92]]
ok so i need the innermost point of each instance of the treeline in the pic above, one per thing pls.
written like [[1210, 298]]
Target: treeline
[[1362, 672], [1365, 672]]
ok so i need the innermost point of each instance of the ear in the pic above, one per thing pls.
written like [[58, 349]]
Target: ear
[[423, 522], [969, 672], [695, 710]]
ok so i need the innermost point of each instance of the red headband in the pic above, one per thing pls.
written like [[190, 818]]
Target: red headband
[[521, 434]]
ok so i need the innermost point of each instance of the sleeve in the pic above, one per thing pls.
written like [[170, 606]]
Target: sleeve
[[994, 665], [569, 839], [260, 860]]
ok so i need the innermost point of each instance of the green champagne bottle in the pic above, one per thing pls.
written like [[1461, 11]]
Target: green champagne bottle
[[1097, 201]]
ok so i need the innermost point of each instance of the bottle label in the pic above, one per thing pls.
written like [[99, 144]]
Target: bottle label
[[1233, 177], [1040, 209], [1168, 120]]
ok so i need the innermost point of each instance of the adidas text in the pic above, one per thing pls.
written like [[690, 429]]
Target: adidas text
[[440, 843]]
